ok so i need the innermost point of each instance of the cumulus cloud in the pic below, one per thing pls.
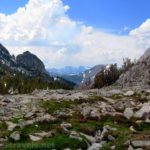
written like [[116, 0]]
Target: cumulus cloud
[[44, 28]]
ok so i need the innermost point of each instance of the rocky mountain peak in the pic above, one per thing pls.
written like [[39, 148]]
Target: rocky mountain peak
[[30, 62]]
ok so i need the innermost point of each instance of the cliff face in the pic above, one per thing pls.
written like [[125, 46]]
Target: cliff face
[[139, 74]]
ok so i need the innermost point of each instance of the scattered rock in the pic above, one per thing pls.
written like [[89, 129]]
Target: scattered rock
[[91, 139], [29, 115], [35, 138], [119, 106], [129, 93], [113, 147], [132, 129], [140, 143], [75, 136], [15, 136], [66, 126], [145, 110], [11, 126], [95, 146], [86, 111], [104, 132], [39, 136], [46, 118], [128, 113], [130, 148], [95, 114], [111, 138]]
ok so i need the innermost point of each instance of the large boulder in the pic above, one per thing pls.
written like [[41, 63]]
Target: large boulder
[[144, 111]]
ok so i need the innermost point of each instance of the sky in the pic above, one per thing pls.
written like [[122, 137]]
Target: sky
[[76, 32]]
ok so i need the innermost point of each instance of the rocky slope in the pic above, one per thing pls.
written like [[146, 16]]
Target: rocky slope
[[106, 119], [139, 74]]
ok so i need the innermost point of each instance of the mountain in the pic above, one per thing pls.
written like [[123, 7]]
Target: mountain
[[25, 73], [34, 65], [139, 74], [89, 75], [68, 70]]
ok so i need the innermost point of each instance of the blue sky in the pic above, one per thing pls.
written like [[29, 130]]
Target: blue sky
[[78, 32], [109, 15]]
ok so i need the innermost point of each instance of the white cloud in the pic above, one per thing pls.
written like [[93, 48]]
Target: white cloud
[[142, 34], [44, 28]]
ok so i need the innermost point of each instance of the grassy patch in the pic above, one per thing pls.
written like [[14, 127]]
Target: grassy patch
[[88, 127], [94, 98], [116, 96], [52, 105], [3, 130], [142, 126], [121, 137]]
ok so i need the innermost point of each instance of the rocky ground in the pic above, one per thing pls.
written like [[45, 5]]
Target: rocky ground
[[106, 119]]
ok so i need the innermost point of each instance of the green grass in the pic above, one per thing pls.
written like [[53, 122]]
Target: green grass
[[95, 98], [59, 142], [121, 136], [53, 105], [142, 127], [3, 130]]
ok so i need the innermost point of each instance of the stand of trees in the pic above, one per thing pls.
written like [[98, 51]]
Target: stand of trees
[[22, 84], [111, 74]]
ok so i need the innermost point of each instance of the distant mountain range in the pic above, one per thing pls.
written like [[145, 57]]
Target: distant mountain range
[[79, 75], [68, 70]]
